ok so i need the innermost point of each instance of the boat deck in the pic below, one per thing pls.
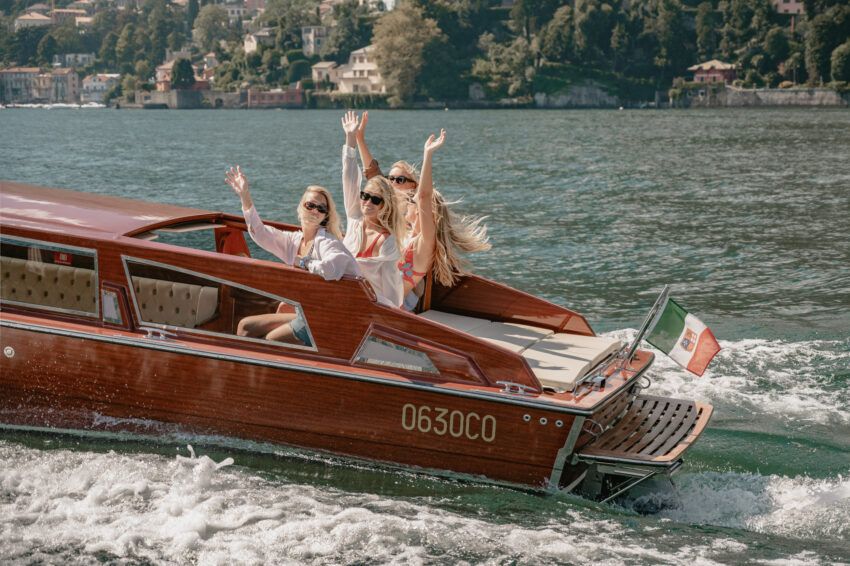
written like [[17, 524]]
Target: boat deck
[[558, 359]]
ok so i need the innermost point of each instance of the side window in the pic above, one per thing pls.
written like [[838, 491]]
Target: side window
[[376, 350], [168, 296], [42, 274], [390, 348]]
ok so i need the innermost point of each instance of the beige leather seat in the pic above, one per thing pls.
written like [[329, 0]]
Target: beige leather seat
[[48, 284], [558, 360]]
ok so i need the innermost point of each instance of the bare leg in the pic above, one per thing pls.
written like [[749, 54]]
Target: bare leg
[[262, 324], [283, 333]]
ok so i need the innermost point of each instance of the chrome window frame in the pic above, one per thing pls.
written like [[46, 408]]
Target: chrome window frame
[[132, 292], [52, 246]]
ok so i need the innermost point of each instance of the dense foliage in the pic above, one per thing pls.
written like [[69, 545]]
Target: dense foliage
[[434, 49]]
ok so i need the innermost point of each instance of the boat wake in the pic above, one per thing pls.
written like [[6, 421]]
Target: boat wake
[[73, 506], [799, 507], [805, 382]]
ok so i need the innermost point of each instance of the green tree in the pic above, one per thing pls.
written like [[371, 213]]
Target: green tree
[[352, 31], [706, 28], [528, 17], [776, 46], [191, 13], [143, 71], [793, 65], [291, 16], [182, 73], [67, 37], [128, 87], [557, 37], [125, 49], [507, 68], [593, 22], [107, 49], [211, 26], [826, 31], [400, 55], [667, 25], [840, 62], [46, 50]]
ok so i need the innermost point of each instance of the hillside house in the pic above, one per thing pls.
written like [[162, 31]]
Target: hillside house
[[714, 71], [32, 19]]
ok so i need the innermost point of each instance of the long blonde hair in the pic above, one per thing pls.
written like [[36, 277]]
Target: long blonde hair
[[455, 232], [390, 216], [409, 170], [331, 223]]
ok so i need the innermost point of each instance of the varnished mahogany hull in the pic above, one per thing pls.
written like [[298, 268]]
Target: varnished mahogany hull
[[314, 409]]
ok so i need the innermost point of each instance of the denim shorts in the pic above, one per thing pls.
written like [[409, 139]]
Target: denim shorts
[[299, 329]]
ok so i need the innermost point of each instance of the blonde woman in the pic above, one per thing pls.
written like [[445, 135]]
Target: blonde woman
[[316, 248], [435, 235], [403, 175], [375, 222]]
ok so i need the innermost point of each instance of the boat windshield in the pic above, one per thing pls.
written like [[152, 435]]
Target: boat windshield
[[202, 235]]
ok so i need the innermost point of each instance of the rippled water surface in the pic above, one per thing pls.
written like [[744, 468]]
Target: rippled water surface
[[744, 212]]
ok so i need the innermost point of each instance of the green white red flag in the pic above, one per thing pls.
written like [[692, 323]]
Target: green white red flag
[[683, 337]]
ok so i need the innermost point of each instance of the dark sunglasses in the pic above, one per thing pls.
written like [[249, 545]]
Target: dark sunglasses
[[314, 206], [376, 200], [400, 180]]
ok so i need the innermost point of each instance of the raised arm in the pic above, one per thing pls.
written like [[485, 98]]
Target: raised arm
[[271, 239], [237, 180], [424, 197], [351, 175], [369, 164]]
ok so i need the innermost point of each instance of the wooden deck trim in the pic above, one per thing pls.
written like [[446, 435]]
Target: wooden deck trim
[[654, 430]]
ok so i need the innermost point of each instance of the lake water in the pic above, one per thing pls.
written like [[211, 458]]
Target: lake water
[[744, 212]]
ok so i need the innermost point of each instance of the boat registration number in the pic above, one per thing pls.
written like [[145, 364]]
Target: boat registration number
[[440, 421]]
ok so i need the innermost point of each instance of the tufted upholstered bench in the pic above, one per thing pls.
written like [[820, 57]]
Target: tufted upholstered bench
[[175, 304], [48, 284]]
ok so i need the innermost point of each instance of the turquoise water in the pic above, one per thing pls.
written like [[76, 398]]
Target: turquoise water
[[744, 212]]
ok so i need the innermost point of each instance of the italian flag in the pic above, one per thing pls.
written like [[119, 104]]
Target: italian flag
[[683, 337]]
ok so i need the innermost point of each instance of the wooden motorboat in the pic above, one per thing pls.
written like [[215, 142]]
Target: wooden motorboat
[[118, 308]]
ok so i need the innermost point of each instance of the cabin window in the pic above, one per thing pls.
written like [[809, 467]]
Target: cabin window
[[46, 275], [168, 296], [380, 351]]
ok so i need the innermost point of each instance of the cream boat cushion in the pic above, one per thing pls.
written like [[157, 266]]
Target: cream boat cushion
[[48, 285], [558, 360], [175, 304]]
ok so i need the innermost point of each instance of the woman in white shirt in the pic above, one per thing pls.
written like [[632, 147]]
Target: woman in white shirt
[[316, 248], [375, 222]]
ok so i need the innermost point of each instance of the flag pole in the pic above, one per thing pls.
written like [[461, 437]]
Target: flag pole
[[653, 313]]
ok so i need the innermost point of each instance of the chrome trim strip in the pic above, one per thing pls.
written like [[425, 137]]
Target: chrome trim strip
[[168, 346], [565, 452]]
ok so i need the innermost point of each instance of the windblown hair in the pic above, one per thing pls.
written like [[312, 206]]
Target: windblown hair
[[455, 232], [331, 223], [390, 217], [409, 170]]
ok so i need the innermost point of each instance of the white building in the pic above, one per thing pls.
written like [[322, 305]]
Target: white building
[[33, 19], [95, 87], [73, 59], [235, 12], [312, 39], [360, 74], [251, 41]]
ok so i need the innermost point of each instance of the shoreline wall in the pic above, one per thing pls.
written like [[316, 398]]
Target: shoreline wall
[[725, 96]]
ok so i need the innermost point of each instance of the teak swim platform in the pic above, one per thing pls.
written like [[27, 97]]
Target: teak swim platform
[[103, 314]]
